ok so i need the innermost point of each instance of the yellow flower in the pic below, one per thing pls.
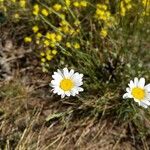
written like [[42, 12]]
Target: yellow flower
[[62, 16], [103, 33], [57, 7], [68, 45], [67, 3], [35, 29], [104, 17], [49, 57], [46, 43], [48, 52], [76, 4], [35, 13], [127, 1], [22, 3], [83, 3], [76, 45], [64, 23], [146, 3], [44, 12], [52, 45], [65, 29], [27, 39], [77, 23], [111, 22], [123, 11], [58, 37], [43, 60], [100, 12], [42, 54], [101, 6], [48, 35], [129, 6], [38, 35], [51, 36], [54, 52], [77, 31], [36, 9]]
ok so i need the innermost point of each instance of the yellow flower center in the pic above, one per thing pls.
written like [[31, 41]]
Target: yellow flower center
[[66, 84], [138, 93]]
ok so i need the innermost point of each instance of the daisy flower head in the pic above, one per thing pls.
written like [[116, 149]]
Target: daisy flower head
[[66, 83], [139, 91]]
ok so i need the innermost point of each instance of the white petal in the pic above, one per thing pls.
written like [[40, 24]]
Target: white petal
[[81, 75], [131, 84], [73, 92], [71, 72], [67, 93], [136, 100], [56, 89], [141, 82], [78, 83], [60, 91], [136, 81], [77, 79], [147, 87], [127, 95], [60, 72], [62, 95], [55, 83], [80, 89], [147, 97], [76, 76], [143, 104], [66, 73], [128, 90], [57, 76], [146, 102]]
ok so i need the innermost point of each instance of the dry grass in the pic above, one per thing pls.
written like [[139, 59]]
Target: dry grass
[[31, 118], [24, 109]]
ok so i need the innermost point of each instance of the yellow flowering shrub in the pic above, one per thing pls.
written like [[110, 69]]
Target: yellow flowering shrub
[[58, 28]]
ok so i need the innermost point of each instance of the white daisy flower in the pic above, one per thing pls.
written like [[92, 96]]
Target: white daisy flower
[[139, 91], [66, 83]]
